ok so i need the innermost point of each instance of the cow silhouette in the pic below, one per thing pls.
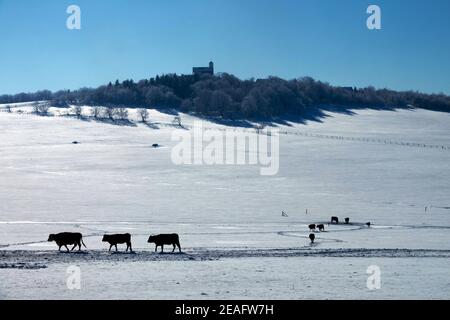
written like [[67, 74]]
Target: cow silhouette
[[335, 220], [67, 238], [161, 239], [114, 239], [312, 237], [321, 227], [312, 227]]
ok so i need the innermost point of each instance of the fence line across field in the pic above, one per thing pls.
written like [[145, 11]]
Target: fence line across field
[[330, 137]]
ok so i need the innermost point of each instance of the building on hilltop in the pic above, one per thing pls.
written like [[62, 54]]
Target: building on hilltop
[[349, 88], [204, 70]]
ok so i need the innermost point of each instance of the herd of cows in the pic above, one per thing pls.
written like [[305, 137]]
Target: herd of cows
[[321, 227], [76, 239], [64, 239]]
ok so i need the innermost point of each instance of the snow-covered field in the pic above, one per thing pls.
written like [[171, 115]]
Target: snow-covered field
[[391, 168]]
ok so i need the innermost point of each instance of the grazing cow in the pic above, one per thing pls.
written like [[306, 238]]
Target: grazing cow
[[65, 238], [162, 239], [312, 227], [335, 219], [114, 239], [321, 227], [368, 224], [347, 220], [155, 145], [312, 237]]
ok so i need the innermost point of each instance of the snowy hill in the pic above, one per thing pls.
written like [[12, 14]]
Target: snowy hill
[[391, 168]]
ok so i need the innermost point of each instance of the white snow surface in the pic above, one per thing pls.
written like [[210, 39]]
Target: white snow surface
[[391, 168]]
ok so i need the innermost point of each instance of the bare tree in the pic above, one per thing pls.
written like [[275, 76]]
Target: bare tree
[[109, 113], [103, 112], [77, 110], [177, 121], [35, 106], [44, 107], [143, 113], [41, 108], [122, 113], [96, 112]]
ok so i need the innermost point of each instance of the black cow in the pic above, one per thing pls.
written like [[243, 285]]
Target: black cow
[[312, 227], [65, 238], [162, 239], [347, 220], [114, 239], [335, 219], [321, 227], [368, 224], [312, 237]]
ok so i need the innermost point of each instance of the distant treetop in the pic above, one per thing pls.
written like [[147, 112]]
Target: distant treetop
[[224, 95]]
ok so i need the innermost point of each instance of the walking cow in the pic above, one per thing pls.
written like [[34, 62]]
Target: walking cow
[[67, 238], [162, 239], [114, 239]]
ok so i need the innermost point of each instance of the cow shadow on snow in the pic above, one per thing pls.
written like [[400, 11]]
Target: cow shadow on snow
[[170, 253], [74, 252], [122, 252]]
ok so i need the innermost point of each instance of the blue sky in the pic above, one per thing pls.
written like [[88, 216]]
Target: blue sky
[[325, 39]]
